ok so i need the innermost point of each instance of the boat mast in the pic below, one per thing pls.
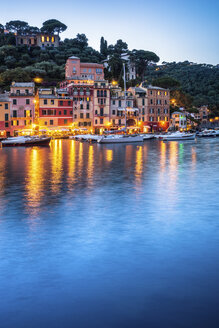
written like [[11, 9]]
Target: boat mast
[[125, 95]]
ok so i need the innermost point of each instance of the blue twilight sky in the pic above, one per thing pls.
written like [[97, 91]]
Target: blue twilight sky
[[174, 30]]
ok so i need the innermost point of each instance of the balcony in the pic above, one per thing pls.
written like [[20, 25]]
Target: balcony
[[12, 94]]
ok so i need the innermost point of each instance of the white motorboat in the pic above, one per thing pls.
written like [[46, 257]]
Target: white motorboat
[[208, 134], [26, 141], [179, 136], [120, 139]]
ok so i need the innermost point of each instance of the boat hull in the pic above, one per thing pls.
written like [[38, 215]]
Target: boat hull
[[192, 137], [121, 140], [31, 143]]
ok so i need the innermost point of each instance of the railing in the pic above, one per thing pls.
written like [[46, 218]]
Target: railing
[[12, 94]]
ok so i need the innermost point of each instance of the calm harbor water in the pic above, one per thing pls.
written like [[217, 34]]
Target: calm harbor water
[[110, 235]]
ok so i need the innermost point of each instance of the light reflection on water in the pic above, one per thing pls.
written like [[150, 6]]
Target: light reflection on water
[[110, 235]]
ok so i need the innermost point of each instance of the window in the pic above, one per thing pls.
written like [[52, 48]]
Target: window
[[158, 111], [6, 125], [105, 94], [95, 112], [42, 38], [88, 106], [6, 117], [114, 102], [120, 103], [45, 123], [69, 103], [45, 101], [151, 101], [65, 112], [25, 113], [101, 121], [81, 106], [75, 116], [43, 112], [47, 38], [113, 112], [143, 102], [84, 70], [87, 115], [14, 113], [101, 111], [27, 101], [81, 115], [142, 111], [120, 121], [6, 106], [61, 103], [25, 122], [151, 92], [14, 101], [99, 70], [52, 102], [51, 122], [53, 39], [60, 113], [65, 121], [95, 121], [151, 119]]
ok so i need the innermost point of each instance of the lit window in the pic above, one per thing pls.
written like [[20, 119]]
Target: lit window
[[53, 39], [47, 38], [42, 38]]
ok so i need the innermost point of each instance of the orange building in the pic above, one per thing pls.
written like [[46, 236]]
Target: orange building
[[5, 124]]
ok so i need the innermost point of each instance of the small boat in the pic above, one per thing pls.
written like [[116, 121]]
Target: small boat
[[208, 134], [26, 141], [179, 136], [110, 139], [147, 136]]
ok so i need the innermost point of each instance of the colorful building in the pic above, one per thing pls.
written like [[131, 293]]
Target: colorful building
[[5, 122], [53, 109], [178, 121], [153, 104], [75, 70], [22, 105], [118, 107]]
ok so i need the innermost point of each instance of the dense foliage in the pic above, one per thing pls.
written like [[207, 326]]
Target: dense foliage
[[191, 84]]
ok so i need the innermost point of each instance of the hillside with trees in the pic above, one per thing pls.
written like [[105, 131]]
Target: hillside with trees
[[191, 84]]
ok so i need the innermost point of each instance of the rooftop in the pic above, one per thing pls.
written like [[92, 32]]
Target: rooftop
[[4, 97], [23, 84]]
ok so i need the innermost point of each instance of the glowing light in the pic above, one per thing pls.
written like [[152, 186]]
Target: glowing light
[[38, 80], [114, 82]]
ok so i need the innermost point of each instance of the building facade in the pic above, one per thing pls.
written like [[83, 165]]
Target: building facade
[[178, 121], [53, 109], [40, 40], [153, 104], [5, 122], [22, 96], [75, 70]]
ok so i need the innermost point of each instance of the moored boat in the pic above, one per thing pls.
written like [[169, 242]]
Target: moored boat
[[120, 139], [179, 136], [26, 141], [208, 134]]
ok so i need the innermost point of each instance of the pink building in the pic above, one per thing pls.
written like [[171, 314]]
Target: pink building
[[22, 105], [74, 69]]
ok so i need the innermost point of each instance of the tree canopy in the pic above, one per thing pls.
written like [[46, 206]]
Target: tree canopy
[[53, 26]]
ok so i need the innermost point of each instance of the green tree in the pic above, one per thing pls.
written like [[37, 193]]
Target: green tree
[[52, 26], [142, 58], [166, 82], [103, 47], [1, 28], [16, 26]]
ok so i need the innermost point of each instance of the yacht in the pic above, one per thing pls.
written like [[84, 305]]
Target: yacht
[[179, 136], [120, 139], [208, 134], [26, 141]]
